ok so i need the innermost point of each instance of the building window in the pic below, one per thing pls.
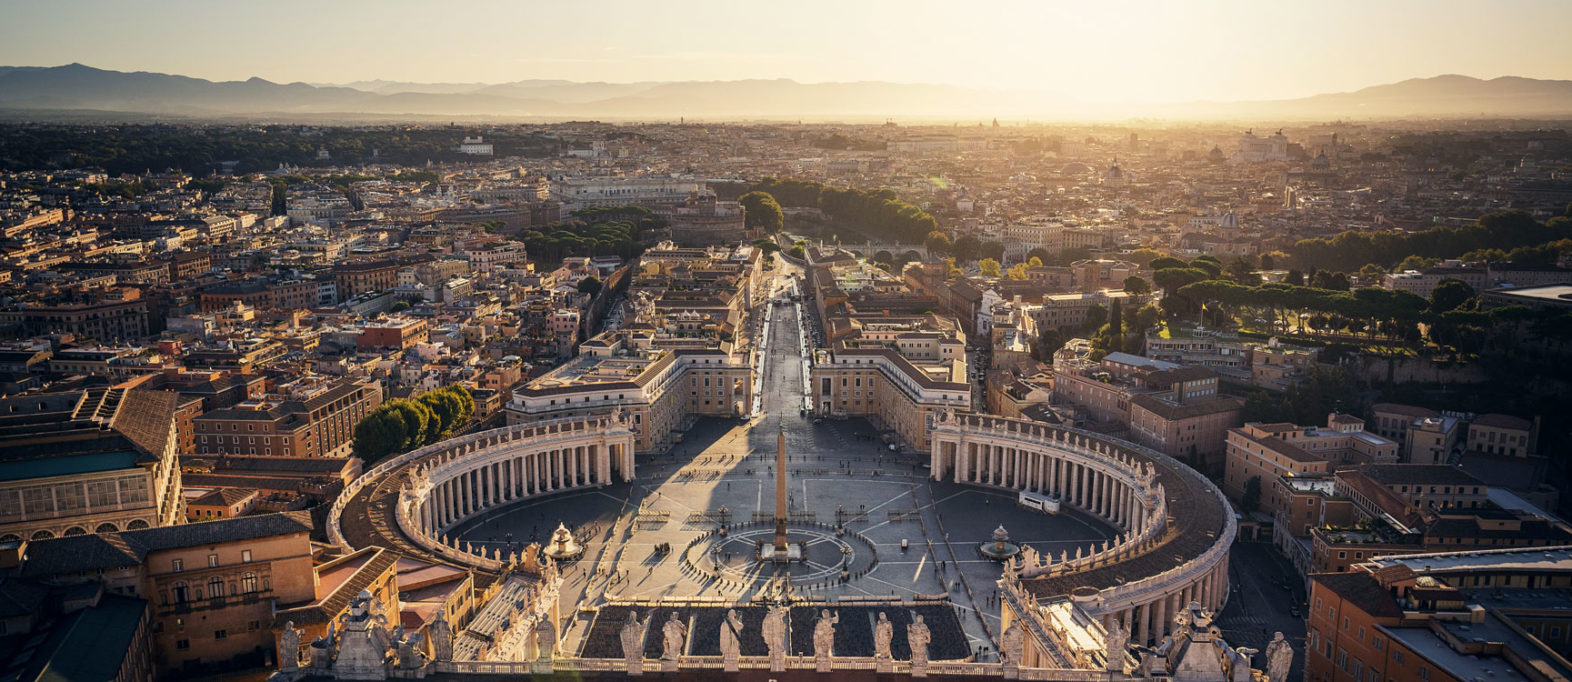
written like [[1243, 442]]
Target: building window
[[178, 590], [245, 556], [248, 582], [183, 644], [220, 634], [177, 565], [212, 561]]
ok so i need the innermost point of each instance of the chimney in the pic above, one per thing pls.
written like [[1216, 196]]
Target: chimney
[[12, 553]]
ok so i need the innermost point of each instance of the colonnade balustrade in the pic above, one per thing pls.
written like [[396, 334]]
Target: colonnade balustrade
[[449, 482], [1130, 487]]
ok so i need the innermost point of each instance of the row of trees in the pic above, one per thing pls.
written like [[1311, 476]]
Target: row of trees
[[761, 211], [1504, 232], [968, 248], [880, 213], [552, 243], [1451, 318], [1111, 330], [401, 425], [1323, 391], [201, 151], [841, 142]]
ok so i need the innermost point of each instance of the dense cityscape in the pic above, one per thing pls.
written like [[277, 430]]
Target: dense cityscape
[[291, 398]]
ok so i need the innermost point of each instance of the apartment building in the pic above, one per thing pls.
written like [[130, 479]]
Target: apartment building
[[123, 316], [1176, 410], [1265, 452], [1502, 434], [1067, 311], [652, 192], [1331, 523], [354, 279], [213, 587], [400, 333], [1442, 617], [896, 373], [309, 417], [660, 390], [1182, 415], [91, 461]]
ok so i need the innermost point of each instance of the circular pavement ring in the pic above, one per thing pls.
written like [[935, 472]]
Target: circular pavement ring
[[827, 554]]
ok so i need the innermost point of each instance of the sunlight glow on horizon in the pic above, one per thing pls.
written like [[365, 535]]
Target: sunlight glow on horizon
[[1137, 51]]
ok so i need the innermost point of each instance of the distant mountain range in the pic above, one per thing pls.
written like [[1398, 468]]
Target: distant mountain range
[[74, 90]]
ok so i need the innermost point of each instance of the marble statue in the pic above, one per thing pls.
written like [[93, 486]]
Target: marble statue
[[633, 644], [1030, 561], [731, 640], [1014, 645], [883, 632], [363, 646], [1239, 662], [545, 640], [441, 633], [674, 635], [774, 629], [378, 627], [918, 636], [824, 634], [1114, 646], [289, 648], [410, 656], [1279, 658], [322, 650]]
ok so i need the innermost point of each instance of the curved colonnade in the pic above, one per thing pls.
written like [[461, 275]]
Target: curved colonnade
[[449, 482], [1160, 562]]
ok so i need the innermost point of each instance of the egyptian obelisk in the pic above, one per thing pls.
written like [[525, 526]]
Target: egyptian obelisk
[[780, 492]]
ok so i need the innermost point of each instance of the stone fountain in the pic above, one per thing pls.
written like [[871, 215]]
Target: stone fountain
[[563, 547], [1001, 548]]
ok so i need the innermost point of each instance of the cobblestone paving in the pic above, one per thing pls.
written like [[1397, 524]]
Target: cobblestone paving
[[840, 471]]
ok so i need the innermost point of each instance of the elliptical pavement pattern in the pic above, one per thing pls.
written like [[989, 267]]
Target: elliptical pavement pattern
[[840, 472]]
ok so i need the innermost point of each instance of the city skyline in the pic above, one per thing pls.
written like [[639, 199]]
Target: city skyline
[[1187, 340], [1124, 54]]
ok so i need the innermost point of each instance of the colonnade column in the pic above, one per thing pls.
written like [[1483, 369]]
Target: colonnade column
[[450, 501]]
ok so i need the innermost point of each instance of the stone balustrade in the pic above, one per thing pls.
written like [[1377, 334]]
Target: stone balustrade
[[717, 663], [445, 483], [1160, 561]]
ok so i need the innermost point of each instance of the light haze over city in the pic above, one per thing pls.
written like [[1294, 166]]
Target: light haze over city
[[804, 341], [1111, 52]]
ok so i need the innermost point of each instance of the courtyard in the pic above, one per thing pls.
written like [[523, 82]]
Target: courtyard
[[870, 521]]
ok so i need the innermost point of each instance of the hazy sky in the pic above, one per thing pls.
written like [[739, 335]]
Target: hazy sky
[[1096, 50]]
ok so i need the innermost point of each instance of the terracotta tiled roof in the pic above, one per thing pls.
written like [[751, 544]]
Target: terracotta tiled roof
[[1503, 421], [328, 607], [1361, 590], [130, 547]]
